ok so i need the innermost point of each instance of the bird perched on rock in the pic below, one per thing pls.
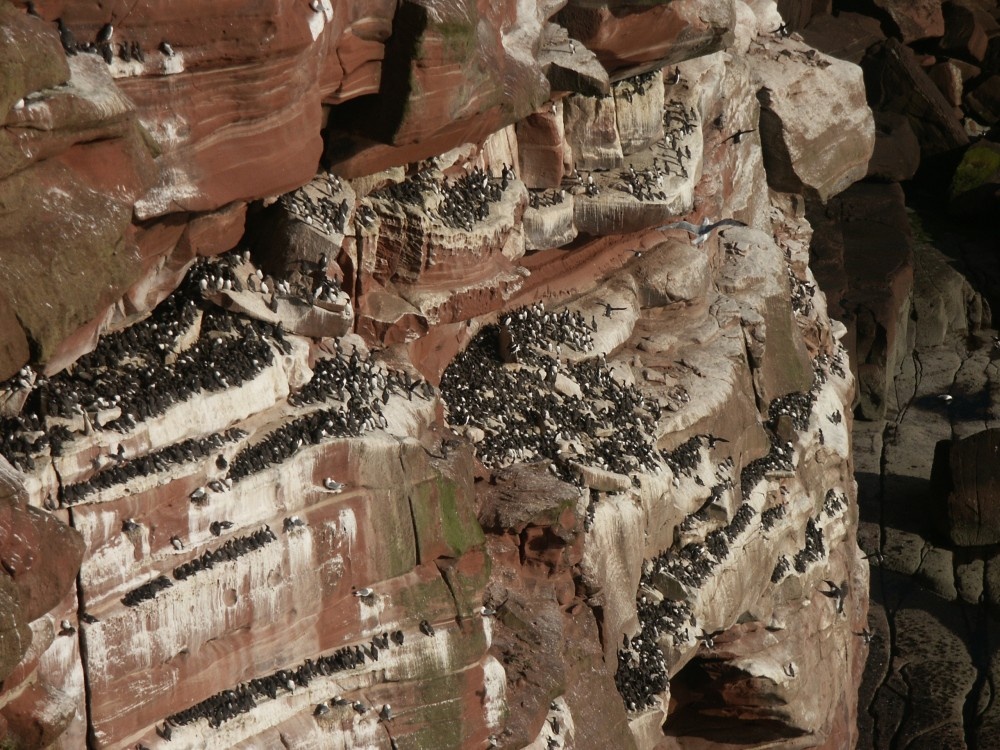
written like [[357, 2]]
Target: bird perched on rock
[[66, 628], [332, 485], [364, 593], [66, 37], [386, 713], [426, 628]]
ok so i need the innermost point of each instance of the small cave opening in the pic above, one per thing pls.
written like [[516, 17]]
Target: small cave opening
[[715, 704]]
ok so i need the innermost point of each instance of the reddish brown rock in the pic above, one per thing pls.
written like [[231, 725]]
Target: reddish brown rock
[[797, 14], [895, 82], [457, 74], [803, 149], [897, 151], [967, 474], [637, 37], [966, 30], [41, 553], [983, 101], [846, 36], [13, 342], [948, 78], [864, 261], [540, 141], [915, 19]]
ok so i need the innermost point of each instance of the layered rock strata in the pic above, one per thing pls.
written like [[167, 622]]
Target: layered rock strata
[[460, 444]]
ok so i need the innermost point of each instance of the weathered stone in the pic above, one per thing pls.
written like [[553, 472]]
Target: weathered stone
[[895, 82], [809, 141], [948, 78], [870, 257], [636, 37], [915, 19], [570, 66], [592, 131], [540, 141], [983, 101], [973, 514], [896, 155], [965, 33], [847, 36]]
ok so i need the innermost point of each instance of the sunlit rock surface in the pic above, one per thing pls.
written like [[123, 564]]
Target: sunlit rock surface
[[406, 395]]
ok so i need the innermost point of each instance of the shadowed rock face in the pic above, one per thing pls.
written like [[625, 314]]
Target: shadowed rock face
[[481, 433]]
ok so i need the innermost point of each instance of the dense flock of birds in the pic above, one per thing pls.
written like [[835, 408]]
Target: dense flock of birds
[[525, 416], [228, 704], [458, 203], [511, 382]]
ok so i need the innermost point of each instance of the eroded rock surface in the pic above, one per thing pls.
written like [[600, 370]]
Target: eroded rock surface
[[481, 433]]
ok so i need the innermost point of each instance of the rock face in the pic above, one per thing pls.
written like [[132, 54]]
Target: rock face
[[972, 515], [433, 375]]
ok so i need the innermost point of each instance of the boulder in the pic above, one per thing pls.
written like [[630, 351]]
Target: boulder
[[632, 37], [983, 101], [973, 510], [816, 133], [846, 36], [915, 19], [966, 31], [895, 82], [896, 156]]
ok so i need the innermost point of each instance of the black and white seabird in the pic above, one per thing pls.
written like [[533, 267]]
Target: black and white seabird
[[386, 713], [426, 628], [836, 592], [66, 628], [702, 231], [166, 49], [66, 37], [364, 593]]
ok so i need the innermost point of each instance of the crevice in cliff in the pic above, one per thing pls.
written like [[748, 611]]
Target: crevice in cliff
[[84, 661]]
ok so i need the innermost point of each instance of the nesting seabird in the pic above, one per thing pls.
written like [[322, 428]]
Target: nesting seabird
[[329, 483], [129, 525], [426, 628], [166, 49], [364, 593], [66, 628], [386, 713], [321, 709]]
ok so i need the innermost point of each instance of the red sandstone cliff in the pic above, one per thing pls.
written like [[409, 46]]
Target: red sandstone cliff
[[595, 470]]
